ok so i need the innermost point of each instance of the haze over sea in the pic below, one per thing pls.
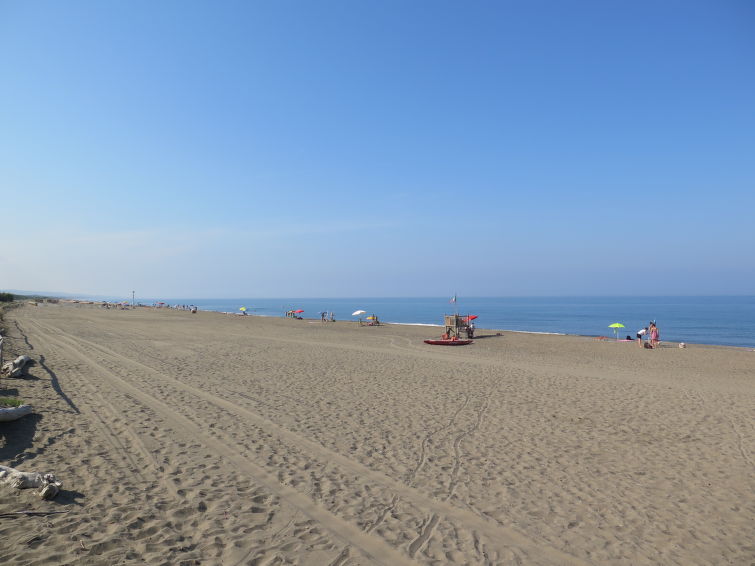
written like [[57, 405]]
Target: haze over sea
[[717, 320]]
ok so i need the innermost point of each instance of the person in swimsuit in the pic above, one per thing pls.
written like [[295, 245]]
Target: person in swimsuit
[[640, 335], [653, 330]]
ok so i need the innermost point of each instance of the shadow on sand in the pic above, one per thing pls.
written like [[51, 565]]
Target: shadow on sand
[[23, 335], [17, 436], [56, 384], [482, 336], [9, 392]]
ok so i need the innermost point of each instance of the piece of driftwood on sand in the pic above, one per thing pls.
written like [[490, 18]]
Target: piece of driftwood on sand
[[17, 367], [24, 480], [8, 414]]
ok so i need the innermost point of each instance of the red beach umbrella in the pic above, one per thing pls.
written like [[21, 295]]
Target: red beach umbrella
[[299, 311]]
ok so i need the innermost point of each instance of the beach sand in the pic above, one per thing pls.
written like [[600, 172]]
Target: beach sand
[[214, 439]]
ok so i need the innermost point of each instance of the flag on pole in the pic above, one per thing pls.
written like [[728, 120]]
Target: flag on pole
[[453, 299]]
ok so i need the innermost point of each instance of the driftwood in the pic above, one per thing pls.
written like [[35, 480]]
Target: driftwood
[[24, 480], [12, 413], [18, 367]]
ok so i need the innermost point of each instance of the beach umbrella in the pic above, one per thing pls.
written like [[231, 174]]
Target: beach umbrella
[[243, 309], [299, 311], [371, 317], [616, 326], [357, 313], [472, 316]]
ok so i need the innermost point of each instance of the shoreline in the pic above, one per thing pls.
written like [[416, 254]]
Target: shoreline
[[725, 321], [479, 330]]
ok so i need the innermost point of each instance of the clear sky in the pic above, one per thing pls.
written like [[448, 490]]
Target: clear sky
[[279, 148]]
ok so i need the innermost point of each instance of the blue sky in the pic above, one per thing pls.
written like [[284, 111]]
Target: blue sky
[[263, 149]]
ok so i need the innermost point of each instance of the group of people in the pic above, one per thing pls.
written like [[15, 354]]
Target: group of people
[[649, 333], [327, 317], [192, 308], [372, 320], [121, 306]]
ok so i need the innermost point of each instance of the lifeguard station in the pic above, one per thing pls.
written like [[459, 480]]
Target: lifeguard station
[[456, 324]]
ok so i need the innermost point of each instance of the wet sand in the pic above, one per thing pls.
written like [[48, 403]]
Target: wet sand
[[213, 439]]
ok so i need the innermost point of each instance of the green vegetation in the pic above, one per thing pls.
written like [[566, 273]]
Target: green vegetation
[[8, 402], [6, 297]]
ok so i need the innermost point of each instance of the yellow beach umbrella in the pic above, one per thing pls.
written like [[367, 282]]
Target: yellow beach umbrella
[[616, 326], [243, 309]]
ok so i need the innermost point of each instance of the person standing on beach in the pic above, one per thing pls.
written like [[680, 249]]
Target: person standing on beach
[[640, 335], [654, 335], [651, 333]]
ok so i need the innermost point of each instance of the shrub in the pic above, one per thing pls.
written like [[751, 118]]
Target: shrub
[[8, 402], [6, 297]]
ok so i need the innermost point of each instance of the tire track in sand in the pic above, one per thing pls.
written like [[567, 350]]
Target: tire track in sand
[[499, 535], [411, 477], [114, 437], [428, 528], [423, 446], [372, 547], [696, 397]]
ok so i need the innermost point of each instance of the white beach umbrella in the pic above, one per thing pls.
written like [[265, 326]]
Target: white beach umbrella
[[357, 313]]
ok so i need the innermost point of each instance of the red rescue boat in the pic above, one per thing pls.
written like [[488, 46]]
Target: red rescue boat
[[448, 342]]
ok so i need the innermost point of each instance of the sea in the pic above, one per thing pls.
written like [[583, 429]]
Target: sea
[[719, 320]]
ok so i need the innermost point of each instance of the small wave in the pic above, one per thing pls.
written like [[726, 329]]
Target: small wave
[[536, 332], [413, 324]]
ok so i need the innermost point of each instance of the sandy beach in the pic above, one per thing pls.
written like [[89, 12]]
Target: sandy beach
[[213, 439]]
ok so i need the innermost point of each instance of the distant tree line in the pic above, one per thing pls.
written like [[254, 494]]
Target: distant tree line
[[6, 297]]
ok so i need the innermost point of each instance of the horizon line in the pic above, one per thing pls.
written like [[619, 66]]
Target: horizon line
[[61, 295]]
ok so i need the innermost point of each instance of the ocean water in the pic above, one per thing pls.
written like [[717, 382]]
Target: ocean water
[[705, 320]]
